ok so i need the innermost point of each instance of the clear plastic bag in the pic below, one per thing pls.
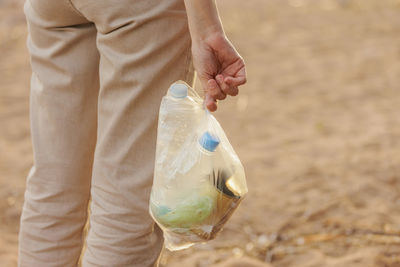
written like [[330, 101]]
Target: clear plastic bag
[[198, 178]]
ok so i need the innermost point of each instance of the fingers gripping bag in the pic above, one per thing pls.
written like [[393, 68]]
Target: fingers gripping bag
[[199, 180]]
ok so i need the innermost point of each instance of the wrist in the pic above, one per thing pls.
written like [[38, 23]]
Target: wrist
[[203, 19], [206, 34]]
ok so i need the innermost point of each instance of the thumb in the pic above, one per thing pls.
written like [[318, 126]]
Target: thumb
[[212, 93], [210, 103], [209, 87]]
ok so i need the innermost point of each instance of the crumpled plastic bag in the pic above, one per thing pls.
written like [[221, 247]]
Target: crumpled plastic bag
[[199, 180]]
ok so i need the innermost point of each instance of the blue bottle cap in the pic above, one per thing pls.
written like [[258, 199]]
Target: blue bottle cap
[[209, 141], [178, 90], [162, 210]]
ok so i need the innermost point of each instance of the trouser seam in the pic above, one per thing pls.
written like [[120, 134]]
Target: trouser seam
[[74, 8], [188, 63]]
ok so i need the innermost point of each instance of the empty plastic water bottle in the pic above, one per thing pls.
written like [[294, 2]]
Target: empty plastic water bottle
[[176, 116], [193, 198]]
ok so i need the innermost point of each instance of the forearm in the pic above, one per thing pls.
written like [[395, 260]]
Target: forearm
[[203, 18]]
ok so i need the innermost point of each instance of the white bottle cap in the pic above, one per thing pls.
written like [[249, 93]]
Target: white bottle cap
[[178, 90]]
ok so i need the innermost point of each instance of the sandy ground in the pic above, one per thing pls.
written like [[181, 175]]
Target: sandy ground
[[317, 128]]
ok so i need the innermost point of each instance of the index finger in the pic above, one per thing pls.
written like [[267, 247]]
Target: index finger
[[235, 81]]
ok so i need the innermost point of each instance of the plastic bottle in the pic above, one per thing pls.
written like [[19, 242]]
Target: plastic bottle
[[193, 200], [176, 118]]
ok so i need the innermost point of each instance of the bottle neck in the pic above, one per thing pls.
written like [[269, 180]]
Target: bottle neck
[[204, 151]]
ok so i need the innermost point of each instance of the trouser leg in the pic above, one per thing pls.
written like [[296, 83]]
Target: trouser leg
[[144, 46], [63, 110]]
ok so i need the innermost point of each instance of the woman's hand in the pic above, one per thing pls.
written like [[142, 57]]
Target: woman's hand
[[219, 67]]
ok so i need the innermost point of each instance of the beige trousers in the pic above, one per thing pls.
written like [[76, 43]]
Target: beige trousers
[[99, 69]]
